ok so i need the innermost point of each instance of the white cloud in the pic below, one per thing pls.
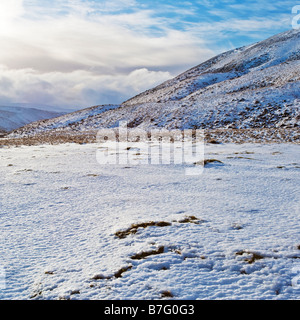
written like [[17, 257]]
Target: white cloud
[[75, 89], [108, 41], [253, 27], [10, 9]]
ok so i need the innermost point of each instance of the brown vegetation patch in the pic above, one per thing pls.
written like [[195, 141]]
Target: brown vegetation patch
[[117, 274], [253, 258], [144, 254], [240, 157], [134, 228], [222, 135], [167, 294], [236, 226], [49, 272], [75, 292], [52, 138], [245, 152], [190, 219], [213, 141], [100, 277], [206, 162]]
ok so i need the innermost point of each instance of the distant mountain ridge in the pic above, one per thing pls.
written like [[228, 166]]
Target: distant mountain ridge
[[12, 117], [256, 86]]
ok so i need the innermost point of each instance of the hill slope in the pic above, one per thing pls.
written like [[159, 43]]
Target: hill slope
[[14, 117], [256, 86]]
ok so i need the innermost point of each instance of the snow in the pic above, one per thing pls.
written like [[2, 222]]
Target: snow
[[60, 210]]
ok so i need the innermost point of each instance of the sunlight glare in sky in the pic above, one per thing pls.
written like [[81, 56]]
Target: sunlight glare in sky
[[10, 9]]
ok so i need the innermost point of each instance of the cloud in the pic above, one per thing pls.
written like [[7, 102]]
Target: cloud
[[84, 37], [235, 32], [108, 41], [74, 89], [10, 9]]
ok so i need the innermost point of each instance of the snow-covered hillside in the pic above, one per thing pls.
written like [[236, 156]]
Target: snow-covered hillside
[[12, 117], [256, 86], [76, 120], [257, 59], [253, 86]]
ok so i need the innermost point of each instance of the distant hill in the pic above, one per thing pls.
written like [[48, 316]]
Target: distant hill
[[14, 117]]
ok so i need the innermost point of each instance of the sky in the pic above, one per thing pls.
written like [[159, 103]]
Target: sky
[[80, 53]]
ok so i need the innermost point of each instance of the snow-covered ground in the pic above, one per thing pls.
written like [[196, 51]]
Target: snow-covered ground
[[61, 209]]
